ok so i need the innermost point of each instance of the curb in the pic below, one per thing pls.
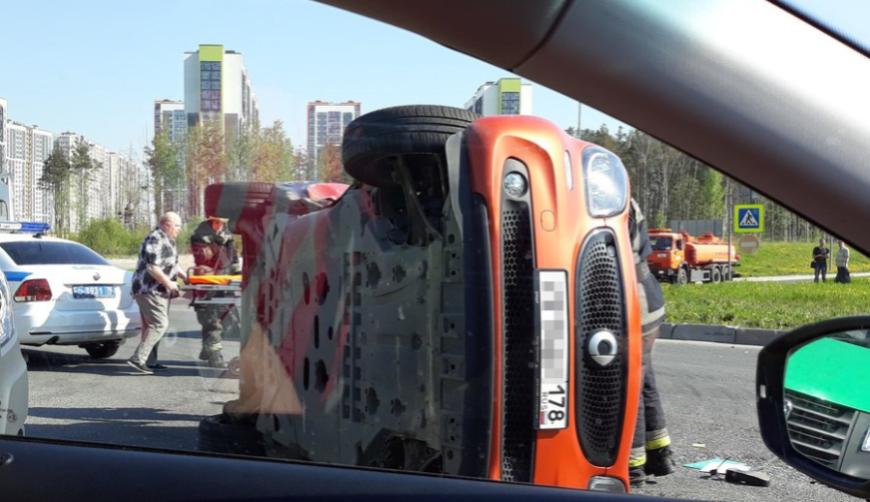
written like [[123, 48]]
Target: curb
[[791, 278], [719, 334]]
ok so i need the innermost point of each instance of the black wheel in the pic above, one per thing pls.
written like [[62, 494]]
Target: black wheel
[[417, 129], [223, 434], [682, 276], [102, 350], [716, 275]]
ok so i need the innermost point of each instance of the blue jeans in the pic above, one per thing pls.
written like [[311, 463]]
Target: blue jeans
[[820, 268]]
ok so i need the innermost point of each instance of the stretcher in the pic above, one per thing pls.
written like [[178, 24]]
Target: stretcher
[[230, 289], [227, 287]]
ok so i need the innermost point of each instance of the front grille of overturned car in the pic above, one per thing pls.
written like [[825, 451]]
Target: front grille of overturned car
[[519, 350], [600, 389], [817, 428]]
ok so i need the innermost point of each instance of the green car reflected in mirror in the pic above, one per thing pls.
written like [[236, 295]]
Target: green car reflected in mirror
[[826, 401]]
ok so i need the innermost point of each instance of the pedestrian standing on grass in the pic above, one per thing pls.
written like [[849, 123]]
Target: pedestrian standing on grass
[[842, 264], [820, 261], [154, 284]]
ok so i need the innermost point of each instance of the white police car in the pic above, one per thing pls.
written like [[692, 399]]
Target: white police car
[[13, 370], [64, 293]]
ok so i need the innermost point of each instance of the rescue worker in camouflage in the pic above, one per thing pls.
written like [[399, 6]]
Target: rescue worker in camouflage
[[213, 253], [651, 454]]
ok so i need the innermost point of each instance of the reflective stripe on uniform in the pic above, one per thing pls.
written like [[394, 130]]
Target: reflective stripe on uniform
[[657, 439], [637, 459]]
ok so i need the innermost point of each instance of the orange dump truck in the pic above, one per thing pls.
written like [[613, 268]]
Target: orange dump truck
[[680, 258]]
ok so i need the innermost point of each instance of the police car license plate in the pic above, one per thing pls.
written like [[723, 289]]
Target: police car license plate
[[93, 292], [552, 299]]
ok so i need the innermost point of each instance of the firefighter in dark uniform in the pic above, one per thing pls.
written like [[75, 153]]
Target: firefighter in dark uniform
[[651, 454], [213, 254]]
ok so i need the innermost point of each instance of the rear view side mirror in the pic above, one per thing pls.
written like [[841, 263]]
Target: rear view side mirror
[[814, 401]]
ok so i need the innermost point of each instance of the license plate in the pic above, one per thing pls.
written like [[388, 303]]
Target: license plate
[[93, 292], [552, 300]]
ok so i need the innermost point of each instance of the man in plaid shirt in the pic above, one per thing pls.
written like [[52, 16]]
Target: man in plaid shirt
[[154, 284]]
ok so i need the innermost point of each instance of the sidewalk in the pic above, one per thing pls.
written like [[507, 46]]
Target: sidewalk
[[793, 278]]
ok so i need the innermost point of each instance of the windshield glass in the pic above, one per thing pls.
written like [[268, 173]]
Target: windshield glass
[[347, 244], [38, 252], [846, 19], [661, 243]]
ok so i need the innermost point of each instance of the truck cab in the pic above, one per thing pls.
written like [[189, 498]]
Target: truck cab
[[668, 255]]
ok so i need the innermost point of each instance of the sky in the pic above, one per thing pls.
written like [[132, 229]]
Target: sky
[[95, 67]]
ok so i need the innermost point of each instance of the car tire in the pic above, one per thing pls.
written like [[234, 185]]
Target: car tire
[[102, 350], [715, 275], [417, 129], [224, 434]]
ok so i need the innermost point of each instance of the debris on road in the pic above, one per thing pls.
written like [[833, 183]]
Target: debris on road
[[699, 445], [749, 478], [716, 466]]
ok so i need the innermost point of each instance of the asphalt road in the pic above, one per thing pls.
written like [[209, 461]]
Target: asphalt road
[[708, 391], [708, 394], [75, 397]]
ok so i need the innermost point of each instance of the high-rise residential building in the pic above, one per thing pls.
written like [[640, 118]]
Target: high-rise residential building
[[135, 197], [144, 214], [66, 143], [2, 136], [27, 149], [217, 87], [43, 201], [120, 183], [506, 96], [5, 205], [98, 189], [326, 125], [94, 186], [169, 115], [17, 155]]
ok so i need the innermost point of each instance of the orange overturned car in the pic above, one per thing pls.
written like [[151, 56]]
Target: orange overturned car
[[467, 306]]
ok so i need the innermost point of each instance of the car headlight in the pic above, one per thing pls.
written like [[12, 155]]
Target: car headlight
[[606, 182]]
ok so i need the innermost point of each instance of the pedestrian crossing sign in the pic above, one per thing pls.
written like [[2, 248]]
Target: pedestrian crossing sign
[[748, 218]]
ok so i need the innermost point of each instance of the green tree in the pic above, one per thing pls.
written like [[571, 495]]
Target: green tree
[[669, 185], [329, 168], [55, 180], [109, 237], [240, 151], [162, 158], [713, 194], [272, 158], [83, 165], [207, 161], [299, 168]]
